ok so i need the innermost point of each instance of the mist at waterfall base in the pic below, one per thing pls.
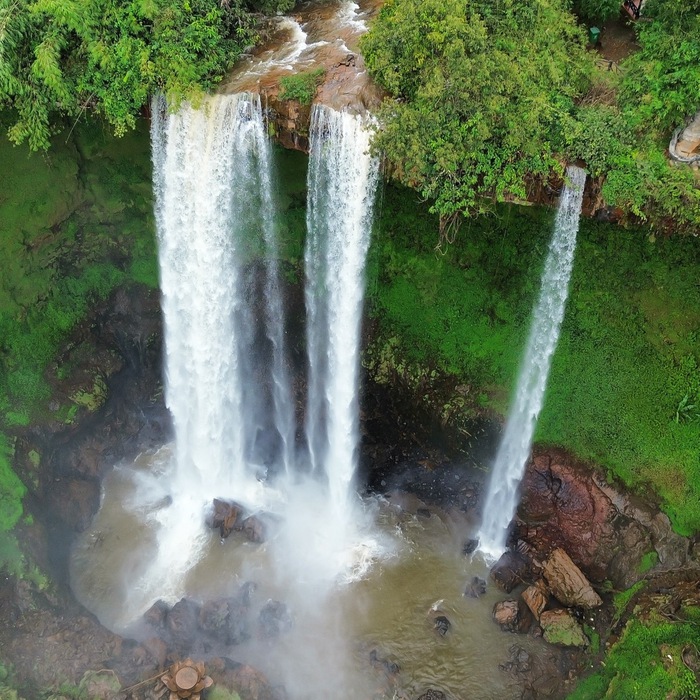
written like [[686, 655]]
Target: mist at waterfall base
[[355, 574], [514, 449]]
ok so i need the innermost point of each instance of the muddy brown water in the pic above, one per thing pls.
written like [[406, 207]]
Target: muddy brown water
[[386, 614]]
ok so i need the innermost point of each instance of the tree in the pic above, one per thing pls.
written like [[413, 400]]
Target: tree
[[63, 57], [478, 89]]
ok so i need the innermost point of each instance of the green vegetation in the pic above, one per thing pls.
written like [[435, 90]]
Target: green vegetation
[[622, 599], [628, 352], [59, 58], [301, 86], [76, 223], [12, 491], [481, 88], [648, 562], [646, 664], [488, 97]]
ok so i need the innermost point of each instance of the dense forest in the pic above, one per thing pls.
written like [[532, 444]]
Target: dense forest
[[484, 100]]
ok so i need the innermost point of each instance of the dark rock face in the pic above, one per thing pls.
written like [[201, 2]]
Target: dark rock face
[[433, 694], [605, 532], [390, 668], [442, 625], [470, 546], [511, 570], [475, 588], [156, 614], [226, 517], [181, 624], [274, 619]]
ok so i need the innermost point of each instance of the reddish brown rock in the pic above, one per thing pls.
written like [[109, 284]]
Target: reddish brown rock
[[227, 516], [511, 570], [505, 613], [254, 529], [563, 506], [536, 598], [512, 616], [567, 583]]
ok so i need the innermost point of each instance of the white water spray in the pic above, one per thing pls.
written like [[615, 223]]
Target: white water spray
[[342, 184], [502, 495], [213, 197]]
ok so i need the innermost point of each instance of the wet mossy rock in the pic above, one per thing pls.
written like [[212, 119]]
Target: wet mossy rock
[[559, 627]]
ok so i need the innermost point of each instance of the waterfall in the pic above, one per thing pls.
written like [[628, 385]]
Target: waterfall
[[342, 184], [502, 494], [226, 381]]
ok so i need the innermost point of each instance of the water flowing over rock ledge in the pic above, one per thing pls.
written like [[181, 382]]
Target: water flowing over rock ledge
[[322, 37]]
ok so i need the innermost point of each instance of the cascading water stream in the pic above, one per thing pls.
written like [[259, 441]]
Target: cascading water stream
[[502, 495], [342, 184], [213, 196]]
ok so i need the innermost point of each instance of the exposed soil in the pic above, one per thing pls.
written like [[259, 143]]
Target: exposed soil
[[617, 39]]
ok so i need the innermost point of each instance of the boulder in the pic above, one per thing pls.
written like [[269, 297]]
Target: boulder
[[469, 547], [156, 614], [227, 516], [442, 625], [254, 529], [390, 668], [214, 617], [567, 583], [511, 570], [607, 533], [559, 627], [506, 615], [251, 684], [181, 623], [274, 619], [475, 588], [433, 694], [536, 598]]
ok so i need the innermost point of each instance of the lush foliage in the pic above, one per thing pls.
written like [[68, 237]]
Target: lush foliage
[[628, 360], [76, 223], [486, 96], [646, 663], [661, 82], [12, 492], [597, 10], [63, 57], [623, 125], [480, 88], [301, 86]]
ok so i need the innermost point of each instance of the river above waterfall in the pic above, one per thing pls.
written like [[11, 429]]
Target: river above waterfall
[[321, 35], [384, 613]]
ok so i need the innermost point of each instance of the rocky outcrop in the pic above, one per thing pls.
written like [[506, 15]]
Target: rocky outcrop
[[512, 616], [317, 38], [566, 582], [566, 504]]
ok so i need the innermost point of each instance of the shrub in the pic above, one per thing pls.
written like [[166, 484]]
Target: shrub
[[301, 86]]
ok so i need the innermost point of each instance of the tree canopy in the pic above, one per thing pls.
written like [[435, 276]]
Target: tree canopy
[[481, 89], [62, 57], [485, 95]]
